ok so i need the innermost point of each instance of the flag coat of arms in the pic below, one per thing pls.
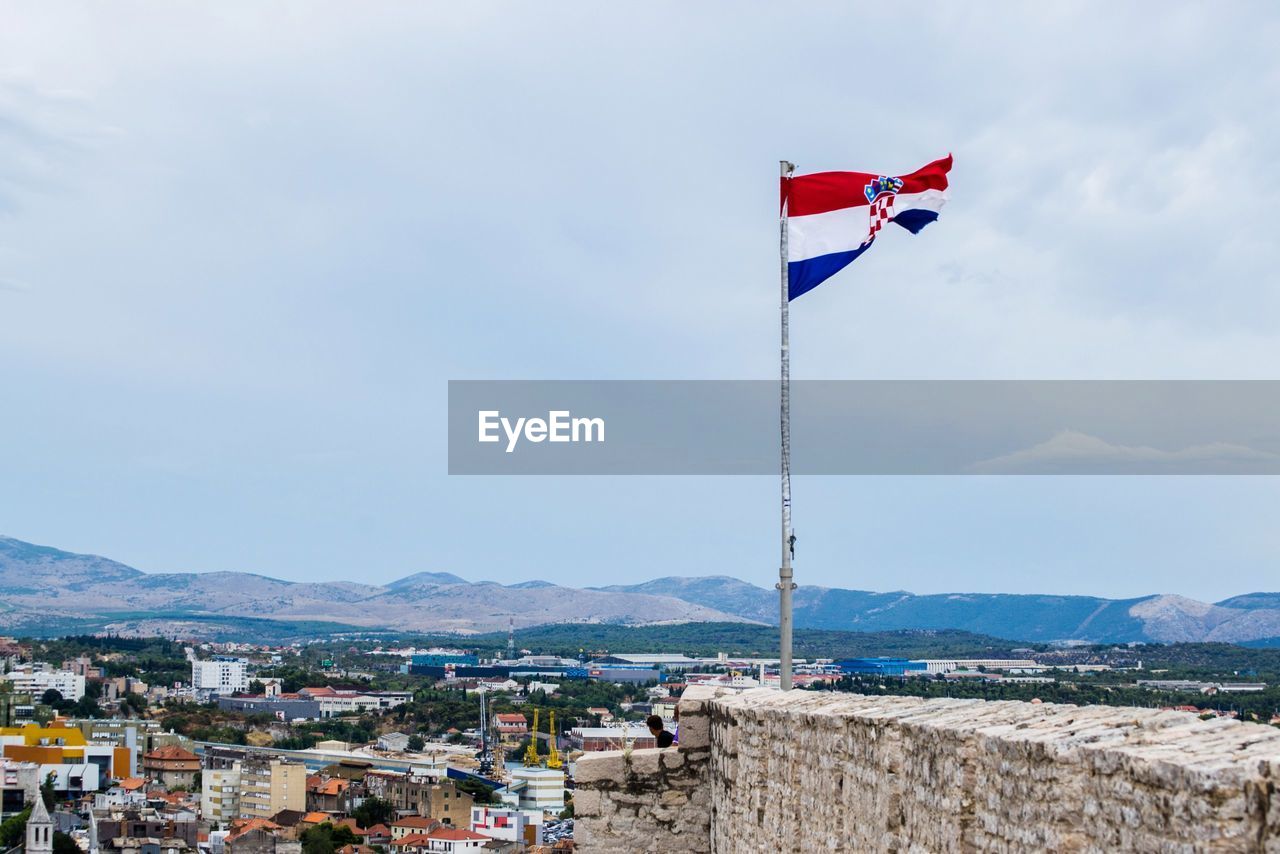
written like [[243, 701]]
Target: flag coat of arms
[[833, 217]]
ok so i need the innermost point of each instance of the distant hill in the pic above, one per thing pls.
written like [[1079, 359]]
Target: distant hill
[[1253, 600], [1028, 617], [44, 588]]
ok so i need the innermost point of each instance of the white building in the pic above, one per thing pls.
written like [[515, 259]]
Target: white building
[[35, 679], [220, 675], [71, 781], [334, 703], [538, 788], [507, 824], [19, 784], [944, 665]]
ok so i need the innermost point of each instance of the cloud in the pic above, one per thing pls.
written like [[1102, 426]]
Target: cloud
[[13, 285], [1072, 452]]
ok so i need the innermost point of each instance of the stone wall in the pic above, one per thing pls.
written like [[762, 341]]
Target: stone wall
[[630, 802], [806, 771]]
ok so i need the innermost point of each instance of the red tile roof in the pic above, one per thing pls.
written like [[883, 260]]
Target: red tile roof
[[239, 827], [336, 786], [413, 840], [414, 821], [455, 834], [172, 752]]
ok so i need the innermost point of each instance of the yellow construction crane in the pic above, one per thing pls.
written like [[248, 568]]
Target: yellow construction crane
[[553, 755], [531, 752]]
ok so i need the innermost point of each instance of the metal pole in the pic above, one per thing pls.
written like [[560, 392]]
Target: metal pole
[[785, 584]]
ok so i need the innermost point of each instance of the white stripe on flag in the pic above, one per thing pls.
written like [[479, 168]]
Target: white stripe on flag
[[846, 229]]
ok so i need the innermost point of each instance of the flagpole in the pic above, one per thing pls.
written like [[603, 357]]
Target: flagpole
[[785, 584]]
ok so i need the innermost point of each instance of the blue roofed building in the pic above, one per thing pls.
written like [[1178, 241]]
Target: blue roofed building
[[883, 666]]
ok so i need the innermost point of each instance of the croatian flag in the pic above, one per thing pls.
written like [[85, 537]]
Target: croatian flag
[[833, 217]]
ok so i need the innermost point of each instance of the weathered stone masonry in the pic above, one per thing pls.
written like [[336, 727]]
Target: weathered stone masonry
[[804, 771]]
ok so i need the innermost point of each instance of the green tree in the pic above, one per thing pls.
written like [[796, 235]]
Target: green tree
[[46, 792], [479, 792], [416, 743], [374, 811], [13, 831], [64, 844], [87, 707], [325, 838]]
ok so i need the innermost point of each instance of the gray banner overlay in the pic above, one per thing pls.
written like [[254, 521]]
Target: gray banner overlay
[[865, 427]]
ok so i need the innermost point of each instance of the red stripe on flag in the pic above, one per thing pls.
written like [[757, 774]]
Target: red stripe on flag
[[833, 191]]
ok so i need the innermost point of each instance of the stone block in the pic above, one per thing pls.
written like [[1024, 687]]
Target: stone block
[[586, 802], [604, 767]]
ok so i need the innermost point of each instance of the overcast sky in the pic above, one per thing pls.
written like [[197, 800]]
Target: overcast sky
[[243, 246]]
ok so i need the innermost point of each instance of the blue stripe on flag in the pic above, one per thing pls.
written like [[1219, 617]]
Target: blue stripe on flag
[[804, 276], [915, 219]]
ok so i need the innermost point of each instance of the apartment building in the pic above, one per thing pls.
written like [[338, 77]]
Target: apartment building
[[220, 795], [268, 786], [36, 679], [220, 675]]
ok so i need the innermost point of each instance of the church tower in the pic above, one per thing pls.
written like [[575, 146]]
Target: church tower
[[39, 829]]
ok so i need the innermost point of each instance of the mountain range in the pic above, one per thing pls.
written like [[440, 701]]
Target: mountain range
[[47, 591]]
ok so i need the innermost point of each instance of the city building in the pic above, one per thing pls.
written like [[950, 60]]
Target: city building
[[71, 781], [129, 792], [538, 788], [282, 707], [172, 765], [514, 726], [448, 840], [259, 836], [591, 739], [334, 703], [624, 674], [508, 825], [441, 840], [315, 703], [882, 666], [220, 794], [84, 666], [19, 784], [220, 675], [268, 786], [62, 744], [443, 658], [141, 831], [16, 707], [645, 661], [412, 825], [139, 735], [948, 665], [36, 679], [327, 794], [393, 742], [422, 795]]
